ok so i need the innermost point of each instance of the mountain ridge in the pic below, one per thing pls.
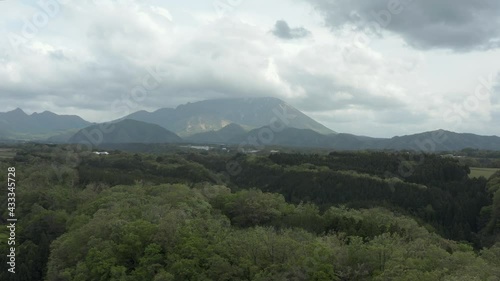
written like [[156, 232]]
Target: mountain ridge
[[219, 121], [17, 123]]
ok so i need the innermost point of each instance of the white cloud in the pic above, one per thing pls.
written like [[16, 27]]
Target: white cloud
[[162, 12]]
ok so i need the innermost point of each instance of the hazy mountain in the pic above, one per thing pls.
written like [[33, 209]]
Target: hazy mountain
[[442, 140], [230, 121], [224, 135], [17, 122], [433, 141], [213, 115], [126, 131], [258, 138], [63, 137], [4, 129]]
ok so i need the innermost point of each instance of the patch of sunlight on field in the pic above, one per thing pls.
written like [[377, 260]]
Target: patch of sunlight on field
[[484, 172]]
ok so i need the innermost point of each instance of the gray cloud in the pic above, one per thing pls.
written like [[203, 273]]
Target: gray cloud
[[325, 94], [283, 31], [460, 25]]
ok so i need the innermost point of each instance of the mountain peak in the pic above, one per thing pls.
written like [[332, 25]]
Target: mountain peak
[[18, 112], [214, 114], [46, 112]]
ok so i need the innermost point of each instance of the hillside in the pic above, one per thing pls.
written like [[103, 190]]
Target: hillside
[[224, 135], [129, 131]]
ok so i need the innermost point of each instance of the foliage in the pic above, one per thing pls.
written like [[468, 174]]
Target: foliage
[[176, 216]]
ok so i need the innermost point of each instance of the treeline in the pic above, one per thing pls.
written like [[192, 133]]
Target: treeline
[[436, 189], [479, 158], [411, 167], [477, 153]]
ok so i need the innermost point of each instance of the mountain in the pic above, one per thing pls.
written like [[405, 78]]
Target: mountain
[[126, 131], [256, 121], [224, 135], [213, 115], [17, 122]]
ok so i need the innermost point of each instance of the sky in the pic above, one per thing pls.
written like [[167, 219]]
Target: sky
[[377, 68]]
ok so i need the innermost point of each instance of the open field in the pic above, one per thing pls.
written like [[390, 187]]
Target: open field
[[485, 172]]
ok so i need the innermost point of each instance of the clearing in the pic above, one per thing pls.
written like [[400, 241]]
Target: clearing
[[485, 172]]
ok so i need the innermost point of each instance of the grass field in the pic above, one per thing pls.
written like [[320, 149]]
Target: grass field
[[7, 153], [485, 172]]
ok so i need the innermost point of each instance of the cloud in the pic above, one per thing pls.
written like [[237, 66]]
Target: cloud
[[71, 73], [459, 25], [95, 53], [283, 31]]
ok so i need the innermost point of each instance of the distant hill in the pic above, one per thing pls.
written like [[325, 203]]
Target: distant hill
[[17, 122], [213, 115], [129, 131], [235, 135], [442, 140], [287, 137], [433, 141]]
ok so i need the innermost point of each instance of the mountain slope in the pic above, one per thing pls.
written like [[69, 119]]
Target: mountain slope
[[213, 115], [4, 129], [224, 135], [293, 137], [126, 131], [287, 137], [62, 137]]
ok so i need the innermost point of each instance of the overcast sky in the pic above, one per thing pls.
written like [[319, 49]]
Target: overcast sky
[[377, 68]]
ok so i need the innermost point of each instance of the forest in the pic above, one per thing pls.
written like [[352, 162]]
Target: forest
[[181, 214]]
